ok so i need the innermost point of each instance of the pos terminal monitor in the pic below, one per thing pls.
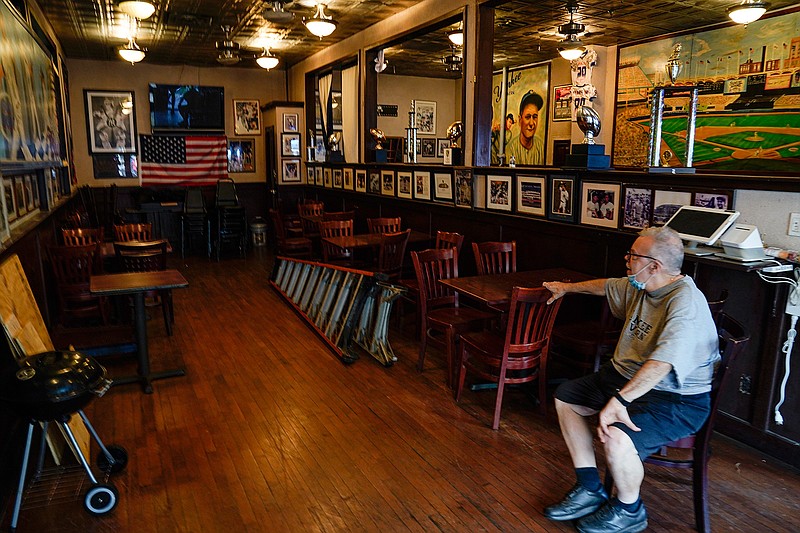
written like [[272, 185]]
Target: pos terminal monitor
[[701, 226]]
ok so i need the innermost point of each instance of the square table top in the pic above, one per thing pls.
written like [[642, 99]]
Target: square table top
[[366, 240], [131, 282]]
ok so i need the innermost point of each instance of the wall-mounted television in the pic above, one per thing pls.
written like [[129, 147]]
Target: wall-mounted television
[[187, 108]]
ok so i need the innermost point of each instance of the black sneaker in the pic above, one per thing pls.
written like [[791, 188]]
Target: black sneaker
[[614, 519], [578, 502]]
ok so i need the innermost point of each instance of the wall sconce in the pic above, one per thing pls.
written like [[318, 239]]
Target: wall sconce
[[131, 52], [267, 60], [321, 24], [748, 11]]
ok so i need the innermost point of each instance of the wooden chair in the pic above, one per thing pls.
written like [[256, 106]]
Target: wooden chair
[[288, 246], [584, 344], [439, 304], [72, 269], [716, 306], [495, 257], [133, 232], [81, 236], [333, 254], [383, 225], [338, 215], [148, 256], [519, 355], [732, 341], [391, 253], [310, 226]]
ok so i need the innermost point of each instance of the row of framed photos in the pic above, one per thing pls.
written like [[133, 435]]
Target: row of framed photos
[[557, 196], [22, 195]]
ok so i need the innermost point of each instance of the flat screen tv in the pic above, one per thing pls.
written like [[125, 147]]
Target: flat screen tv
[[701, 225], [187, 108]]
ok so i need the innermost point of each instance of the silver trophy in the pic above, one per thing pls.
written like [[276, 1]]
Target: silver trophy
[[589, 123], [673, 66]]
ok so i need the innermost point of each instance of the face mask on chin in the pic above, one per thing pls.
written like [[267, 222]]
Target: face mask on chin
[[635, 283]]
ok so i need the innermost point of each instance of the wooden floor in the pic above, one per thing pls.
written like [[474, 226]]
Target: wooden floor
[[269, 432]]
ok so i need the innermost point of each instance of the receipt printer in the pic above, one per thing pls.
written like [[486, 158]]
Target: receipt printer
[[742, 242]]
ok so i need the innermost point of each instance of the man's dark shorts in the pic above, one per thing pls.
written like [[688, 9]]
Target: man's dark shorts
[[662, 416]]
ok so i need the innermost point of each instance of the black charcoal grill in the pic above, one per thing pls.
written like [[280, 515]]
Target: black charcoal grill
[[50, 387]]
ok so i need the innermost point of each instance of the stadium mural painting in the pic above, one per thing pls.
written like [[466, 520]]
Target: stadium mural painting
[[748, 115]]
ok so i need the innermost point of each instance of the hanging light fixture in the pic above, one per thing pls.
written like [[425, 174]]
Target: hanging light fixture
[[137, 9], [267, 60], [321, 24], [131, 52], [571, 47], [748, 11], [456, 36], [453, 62]]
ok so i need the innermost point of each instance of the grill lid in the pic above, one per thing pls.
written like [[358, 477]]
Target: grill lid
[[53, 377]]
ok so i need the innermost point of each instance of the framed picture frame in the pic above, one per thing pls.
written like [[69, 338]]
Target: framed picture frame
[[309, 174], [387, 182], [441, 144], [5, 231], [327, 181], [291, 171], [337, 178], [498, 192], [404, 187], [425, 117], [29, 202], [347, 179], [600, 204], [531, 195], [463, 187], [290, 123], [361, 180], [319, 179], [241, 155], [374, 184], [422, 185], [561, 205], [666, 202], [713, 199], [19, 196], [246, 117], [110, 121], [8, 194], [562, 103], [115, 166], [428, 147], [443, 186], [290, 144], [638, 208]]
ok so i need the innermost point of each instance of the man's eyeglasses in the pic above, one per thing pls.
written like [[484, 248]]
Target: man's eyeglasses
[[629, 255]]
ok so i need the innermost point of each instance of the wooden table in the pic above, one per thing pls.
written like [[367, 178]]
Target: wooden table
[[367, 240], [137, 283]]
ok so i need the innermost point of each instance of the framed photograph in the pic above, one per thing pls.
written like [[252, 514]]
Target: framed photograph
[[562, 103], [337, 178], [441, 144], [425, 117], [361, 180], [374, 185], [387, 182], [404, 189], [290, 123], [443, 186], [19, 196], [319, 149], [309, 175], [29, 203], [291, 171], [5, 232], [665, 203], [246, 117], [35, 191], [328, 177], [8, 194], [531, 195], [638, 208], [115, 166], [241, 155], [110, 121], [319, 180], [562, 201], [428, 147], [422, 185], [498, 192], [600, 204], [290, 144], [462, 187], [715, 200], [347, 179]]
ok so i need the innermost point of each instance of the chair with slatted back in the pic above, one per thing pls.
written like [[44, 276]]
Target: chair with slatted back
[[81, 236], [495, 257], [733, 338], [383, 225], [338, 215], [519, 355], [584, 344], [311, 213], [391, 252], [148, 256], [333, 254], [72, 268], [439, 305], [300, 247], [716, 305], [133, 232]]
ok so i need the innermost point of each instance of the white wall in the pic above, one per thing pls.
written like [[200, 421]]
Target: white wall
[[769, 210], [239, 83]]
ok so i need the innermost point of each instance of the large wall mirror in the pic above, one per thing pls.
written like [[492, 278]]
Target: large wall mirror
[[333, 132]]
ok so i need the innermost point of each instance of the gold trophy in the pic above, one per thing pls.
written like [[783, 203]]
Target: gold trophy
[[453, 154]]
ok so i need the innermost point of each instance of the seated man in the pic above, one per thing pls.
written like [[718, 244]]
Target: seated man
[[653, 391]]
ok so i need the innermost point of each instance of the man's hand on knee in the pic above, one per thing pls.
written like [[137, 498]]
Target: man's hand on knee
[[612, 413]]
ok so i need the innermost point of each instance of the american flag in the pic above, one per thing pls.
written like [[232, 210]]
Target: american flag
[[178, 160]]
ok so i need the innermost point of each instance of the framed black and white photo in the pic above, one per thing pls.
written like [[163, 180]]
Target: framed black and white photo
[[110, 121], [600, 204], [441, 144], [241, 155], [562, 198], [246, 117], [115, 166], [387, 182], [328, 180], [290, 144], [404, 187], [462, 188], [319, 180], [498, 192], [665, 203], [638, 208], [443, 186], [374, 185], [361, 180], [291, 171], [428, 148], [337, 178], [290, 123], [531, 195], [714, 200], [425, 117], [309, 175], [422, 185], [347, 179], [8, 193]]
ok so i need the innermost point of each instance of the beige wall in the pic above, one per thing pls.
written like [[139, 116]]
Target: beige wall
[[239, 83]]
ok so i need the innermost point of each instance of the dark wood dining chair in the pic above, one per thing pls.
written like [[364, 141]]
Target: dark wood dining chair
[[288, 246], [439, 305], [718, 304], [148, 256], [517, 356], [383, 225], [584, 344], [133, 232], [334, 254], [391, 252], [81, 236], [338, 215], [307, 211], [733, 338], [72, 268], [495, 257]]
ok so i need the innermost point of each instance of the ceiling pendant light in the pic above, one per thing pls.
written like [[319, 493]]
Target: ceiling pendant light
[[137, 9], [228, 54], [571, 47], [456, 36], [453, 62], [267, 60], [748, 11], [321, 24], [131, 52]]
